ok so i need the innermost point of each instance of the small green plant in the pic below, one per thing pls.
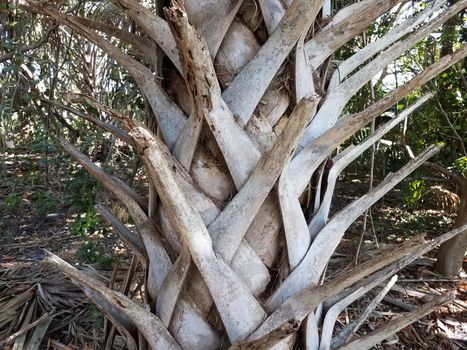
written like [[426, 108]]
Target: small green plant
[[82, 191], [94, 253], [45, 203], [97, 316], [82, 196], [86, 224], [12, 201], [413, 191], [461, 164]]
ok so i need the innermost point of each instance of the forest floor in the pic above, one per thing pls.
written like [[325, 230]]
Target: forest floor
[[42, 208]]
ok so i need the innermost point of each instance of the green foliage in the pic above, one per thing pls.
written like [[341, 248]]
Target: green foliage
[[81, 191], [411, 222], [12, 201], [86, 224], [94, 253], [97, 316], [81, 195], [44, 146], [11, 68], [27, 164], [461, 165], [45, 203], [412, 191]]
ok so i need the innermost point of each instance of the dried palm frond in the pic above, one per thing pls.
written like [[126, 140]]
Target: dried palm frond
[[37, 304]]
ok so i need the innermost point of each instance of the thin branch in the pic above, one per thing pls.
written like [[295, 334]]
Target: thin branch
[[453, 129], [396, 324], [448, 173], [344, 27], [131, 239], [348, 156], [25, 48], [154, 26], [431, 165], [46, 317], [170, 118], [306, 301], [116, 131], [143, 45], [346, 67], [159, 261], [353, 327], [135, 210], [338, 97], [331, 317]]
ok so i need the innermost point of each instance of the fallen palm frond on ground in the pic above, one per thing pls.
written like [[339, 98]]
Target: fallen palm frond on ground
[[39, 306]]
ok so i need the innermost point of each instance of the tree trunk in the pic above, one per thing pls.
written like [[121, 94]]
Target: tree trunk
[[245, 121], [452, 253]]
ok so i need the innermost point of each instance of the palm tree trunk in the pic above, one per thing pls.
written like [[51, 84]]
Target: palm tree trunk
[[243, 124]]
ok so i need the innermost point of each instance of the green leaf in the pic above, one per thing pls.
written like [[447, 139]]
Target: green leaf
[[10, 69]]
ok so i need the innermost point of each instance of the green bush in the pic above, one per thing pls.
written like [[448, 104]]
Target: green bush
[[81, 191]]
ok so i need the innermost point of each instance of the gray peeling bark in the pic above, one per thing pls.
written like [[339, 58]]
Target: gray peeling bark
[[241, 313], [251, 83]]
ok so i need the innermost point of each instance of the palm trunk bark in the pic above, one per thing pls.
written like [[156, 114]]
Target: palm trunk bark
[[237, 148]]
